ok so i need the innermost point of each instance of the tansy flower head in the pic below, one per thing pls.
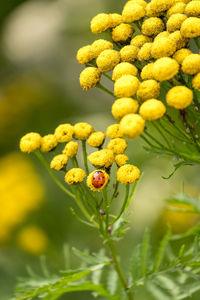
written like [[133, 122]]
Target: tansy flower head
[[102, 158], [129, 53], [82, 130], [122, 32], [128, 174], [75, 175], [132, 125], [178, 39], [140, 2], [165, 68], [118, 145], [89, 78], [145, 52], [30, 142], [113, 131], [181, 54], [59, 162], [161, 5], [107, 60], [152, 109], [191, 64], [163, 34], [124, 106], [177, 8], [115, 20], [71, 149], [152, 26], [85, 54], [148, 89], [196, 82], [174, 22], [124, 68], [132, 12], [163, 47], [179, 97], [97, 180], [139, 40], [121, 159], [147, 72], [100, 23], [64, 133], [96, 139], [192, 9], [99, 46], [126, 86], [190, 28], [151, 12], [48, 143]]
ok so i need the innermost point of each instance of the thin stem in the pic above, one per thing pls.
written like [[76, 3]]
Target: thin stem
[[115, 191], [101, 87], [170, 133], [153, 138], [85, 156], [45, 163], [107, 76], [74, 162], [161, 134], [124, 203], [106, 206]]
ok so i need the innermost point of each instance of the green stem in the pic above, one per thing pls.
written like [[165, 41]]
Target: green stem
[[74, 162], [124, 203], [107, 76], [153, 138], [161, 134], [106, 206], [85, 156], [115, 191], [45, 163], [101, 87]]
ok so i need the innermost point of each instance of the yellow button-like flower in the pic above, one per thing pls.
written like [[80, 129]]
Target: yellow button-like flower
[[122, 32], [85, 54], [113, 131], [97, 180], [181, 54], [177, 8], [115, 20], [191, 64], [152, 109], [192, 9], [128, 174], [124, 68], [121, 159], [132, 12], [100, 23], [118, 145], [59, 162], [107, 60], [150, 12], [132, 125], [196, 82], [147, 72], [161, 5], [99, 46], [163, 34], [178, 39], [124, 106], [175, 21], [89, 78], [48, 142], [64, 133], [163, 47], [71, 149], [129, 53], [75, 175], [30, 142], [126, 86], [139, 40], [139, 2], [148, 89], [152, 26], [145, 52], [96, 139], [165, 68], [179, 97], [190, 28], [82, 130], [102, 158]]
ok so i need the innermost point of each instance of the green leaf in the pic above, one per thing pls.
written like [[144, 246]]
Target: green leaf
[[112, 281], [145, 253], [135, 263], [182, 198], [161, 250], [95, 258], [176, 167], [193, 231], [157, 292]]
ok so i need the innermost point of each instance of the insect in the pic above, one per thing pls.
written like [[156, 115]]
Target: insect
[[98, 179]]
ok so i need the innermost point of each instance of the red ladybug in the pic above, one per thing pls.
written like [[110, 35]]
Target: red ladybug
[[98, 179]]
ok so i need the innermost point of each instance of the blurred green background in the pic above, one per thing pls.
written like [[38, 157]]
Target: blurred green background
[[39, 89]]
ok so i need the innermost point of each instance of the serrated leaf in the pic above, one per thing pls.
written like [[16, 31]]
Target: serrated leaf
[[112, 281], [135, 263], [157, 292], [161, 250], [189, 290], [145, 248], [169, 284], [90, 259]]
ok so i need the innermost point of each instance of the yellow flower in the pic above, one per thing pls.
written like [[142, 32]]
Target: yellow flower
[[191, 64], [102, 158], [59, 162], [122, 32], [147, 72], [129, 53], [100, 23], [192, 9], [163, 47], [32, 240], [174, 22], [89, 78], [161, 5], [139, 40], [181, 54], [196, 81], [121, 159], [165, 68], [85, 54], [71, 149], [178, 39], [128, 174], [148, 89], [132, 125], [64, 132], [190, 28], [152, 26], [151, 12], [82, 130], [163, 34], [97, 180], [139, 2], [99, 46], [124, 68], [145, 52], [113, 131], [48, 143], [124, 106], [179, 97], [96, 139], [126, 86], [107, 60], [115, 20], [118, 145], [30, 142], [177, 8], [132, 12], [75, 175], [152, 109]]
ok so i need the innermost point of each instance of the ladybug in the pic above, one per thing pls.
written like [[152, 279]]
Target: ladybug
[[98, 179]]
